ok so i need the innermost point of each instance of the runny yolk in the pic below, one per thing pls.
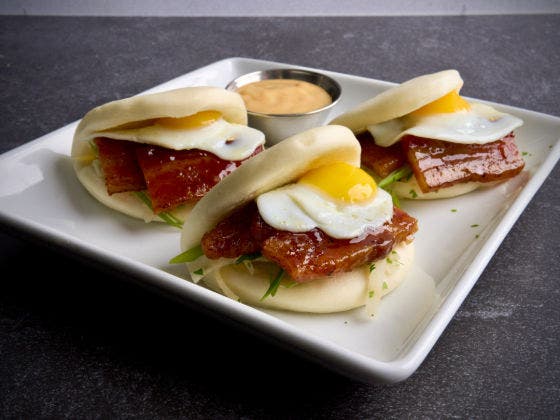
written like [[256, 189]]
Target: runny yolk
[[449, 103], [342, 181], [198, 120]]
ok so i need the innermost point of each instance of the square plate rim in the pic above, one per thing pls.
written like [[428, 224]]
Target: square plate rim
[[347, 362]]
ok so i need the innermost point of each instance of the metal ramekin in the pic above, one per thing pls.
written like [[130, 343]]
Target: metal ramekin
[[277, 127]]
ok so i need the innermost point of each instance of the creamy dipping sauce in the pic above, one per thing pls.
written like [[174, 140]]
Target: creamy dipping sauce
[[283, 96]]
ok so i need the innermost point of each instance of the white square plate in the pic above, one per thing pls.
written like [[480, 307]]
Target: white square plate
[[40, 196]]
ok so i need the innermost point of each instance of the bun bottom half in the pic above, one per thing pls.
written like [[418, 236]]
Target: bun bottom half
[[338, 293], [125, 202], [411, 190]]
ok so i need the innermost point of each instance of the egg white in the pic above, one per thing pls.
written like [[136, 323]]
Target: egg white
[[225, 140], [300, 208], [479, 125]]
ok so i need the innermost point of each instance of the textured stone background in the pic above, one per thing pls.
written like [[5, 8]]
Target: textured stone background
[[76, 341]]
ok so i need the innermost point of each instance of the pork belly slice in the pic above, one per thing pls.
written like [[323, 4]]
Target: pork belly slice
[[180, 176], [308, 255], [438, 164], [120, 167], [382, 160]]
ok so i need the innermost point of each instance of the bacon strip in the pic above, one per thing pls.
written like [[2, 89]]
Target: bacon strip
[[308, 255], [118, 161], [439, 164]]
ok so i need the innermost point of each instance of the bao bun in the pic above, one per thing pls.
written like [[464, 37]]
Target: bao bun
[[279, 165], [140, 109], [402, 100]]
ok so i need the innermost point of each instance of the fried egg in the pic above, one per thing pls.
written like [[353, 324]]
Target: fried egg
[[205, 130], [340, 199], [450, 118]]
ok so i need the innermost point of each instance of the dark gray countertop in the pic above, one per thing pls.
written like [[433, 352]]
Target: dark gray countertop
[[76, 341]]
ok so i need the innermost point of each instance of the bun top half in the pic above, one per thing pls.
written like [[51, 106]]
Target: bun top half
[[174, 103], [279, 165], [400, 100]]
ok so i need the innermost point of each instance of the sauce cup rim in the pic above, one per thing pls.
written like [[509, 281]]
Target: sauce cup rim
[[233, 86]]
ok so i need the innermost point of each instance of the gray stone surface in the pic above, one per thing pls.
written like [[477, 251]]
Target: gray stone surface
[[76, 341]]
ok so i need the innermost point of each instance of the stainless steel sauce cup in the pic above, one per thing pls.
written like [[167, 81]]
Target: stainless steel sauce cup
[[277, 127]]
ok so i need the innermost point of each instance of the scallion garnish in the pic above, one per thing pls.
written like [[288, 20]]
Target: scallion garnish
[[94, 147], [385, 285], [200, 272], [371, 267], [166, 217], [187, 256], [395, 199], [475, 225], [371, 294], [248, 257], [413, 194], [274, 284], [171, 220], [290, 284], [394, 176]]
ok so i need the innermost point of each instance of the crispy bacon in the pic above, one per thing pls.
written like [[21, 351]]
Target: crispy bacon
[[172, 177], [439, 164], [308, 255], [383, 160], [118, 161]]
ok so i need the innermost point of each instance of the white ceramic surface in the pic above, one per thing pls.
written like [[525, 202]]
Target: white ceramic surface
[[40, 196]]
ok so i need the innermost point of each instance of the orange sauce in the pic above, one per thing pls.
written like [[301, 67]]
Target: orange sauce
[[283, 96]]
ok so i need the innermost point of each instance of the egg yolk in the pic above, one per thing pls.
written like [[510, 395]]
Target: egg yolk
[[342, 181], [449, 103], [198, 120]]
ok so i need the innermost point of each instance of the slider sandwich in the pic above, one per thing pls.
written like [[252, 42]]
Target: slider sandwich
[[422, 140], [300, 227], [154, 156]]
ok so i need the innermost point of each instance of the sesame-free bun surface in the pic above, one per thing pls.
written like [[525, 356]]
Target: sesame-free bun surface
[[281, 164], [174, 103], [325, 295], [400, 100]]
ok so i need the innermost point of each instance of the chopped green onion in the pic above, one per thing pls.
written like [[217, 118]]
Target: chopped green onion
[[385, 285], [473, 226], [248, 257], [200, 272], [94, 147], [166, 217], [290, 284], [394, 176], [371, 267], [274, 283], [170, 220], [413, 194], [453, 210], [144, 198], [371, 293], [395, 199], [187, 256]]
